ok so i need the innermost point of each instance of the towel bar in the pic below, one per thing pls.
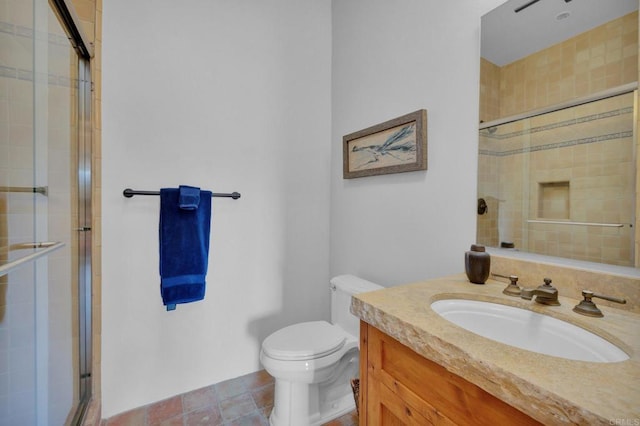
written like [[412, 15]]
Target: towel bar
[[8, 267], [36, 189], [131, 192]]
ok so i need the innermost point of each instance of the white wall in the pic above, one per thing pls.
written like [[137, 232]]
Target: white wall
[[487, 5], [254, 96], [391, 58], [228, 96]]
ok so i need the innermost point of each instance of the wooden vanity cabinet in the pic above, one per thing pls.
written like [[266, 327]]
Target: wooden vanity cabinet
[[400, 387]]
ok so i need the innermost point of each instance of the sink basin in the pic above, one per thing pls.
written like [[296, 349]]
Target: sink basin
[[528, 330]]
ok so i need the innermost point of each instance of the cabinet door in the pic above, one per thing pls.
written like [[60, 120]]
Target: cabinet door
[[405, 388], [388, 409]]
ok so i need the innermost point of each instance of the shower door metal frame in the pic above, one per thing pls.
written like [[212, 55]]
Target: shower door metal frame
[[71, 23], [609, 93], [84, 237]]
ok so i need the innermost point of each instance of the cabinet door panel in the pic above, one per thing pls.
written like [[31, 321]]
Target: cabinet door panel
[[389, 409], [432, 392]]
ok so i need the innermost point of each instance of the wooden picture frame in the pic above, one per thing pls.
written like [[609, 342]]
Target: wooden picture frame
[[395, 146]]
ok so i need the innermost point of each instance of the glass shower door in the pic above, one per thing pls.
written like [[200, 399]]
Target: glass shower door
[[563, 183], [39, 218], [17, 217]]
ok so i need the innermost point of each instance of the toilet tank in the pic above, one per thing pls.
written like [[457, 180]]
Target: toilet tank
[[342, 288]]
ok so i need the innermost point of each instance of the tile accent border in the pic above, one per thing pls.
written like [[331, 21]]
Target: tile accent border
[[562, 144], [556, 145]]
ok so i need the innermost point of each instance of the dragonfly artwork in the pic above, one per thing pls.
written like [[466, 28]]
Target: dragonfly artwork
[[396, 146]]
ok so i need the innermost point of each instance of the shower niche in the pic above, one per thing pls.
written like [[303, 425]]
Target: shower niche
[[553, 200]]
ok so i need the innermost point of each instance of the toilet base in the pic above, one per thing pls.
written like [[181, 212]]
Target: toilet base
[[314, 391], [309, 410]]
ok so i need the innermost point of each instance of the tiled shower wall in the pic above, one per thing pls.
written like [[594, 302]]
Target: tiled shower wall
[[599, 59], [602, 58], [489, 91]]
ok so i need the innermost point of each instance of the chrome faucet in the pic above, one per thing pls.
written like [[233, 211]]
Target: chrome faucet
[[545, 294]]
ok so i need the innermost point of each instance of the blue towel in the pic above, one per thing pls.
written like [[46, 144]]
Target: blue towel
[[184, 248], [189, 197]]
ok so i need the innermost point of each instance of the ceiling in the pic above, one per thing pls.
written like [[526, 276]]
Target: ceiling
[[508, 36]]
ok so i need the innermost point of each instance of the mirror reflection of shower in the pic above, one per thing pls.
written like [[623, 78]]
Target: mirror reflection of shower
[[562, 183]]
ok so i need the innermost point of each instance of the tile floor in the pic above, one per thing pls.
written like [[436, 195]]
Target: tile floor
[[243, 401]]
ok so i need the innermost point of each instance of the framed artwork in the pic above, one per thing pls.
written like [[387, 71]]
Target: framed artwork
[[395, 146]]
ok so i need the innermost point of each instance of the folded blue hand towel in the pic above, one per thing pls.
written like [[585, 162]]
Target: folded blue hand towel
[[184, 248], [189, 197]]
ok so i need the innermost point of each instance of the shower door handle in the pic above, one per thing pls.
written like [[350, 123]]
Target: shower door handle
[[33, 245], [7, 267]]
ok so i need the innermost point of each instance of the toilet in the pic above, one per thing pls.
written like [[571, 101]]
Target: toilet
[[313, 362]]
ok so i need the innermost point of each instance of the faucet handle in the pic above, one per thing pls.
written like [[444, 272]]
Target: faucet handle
[[588, 308], [547, 283], [609, 298], [513, 289]]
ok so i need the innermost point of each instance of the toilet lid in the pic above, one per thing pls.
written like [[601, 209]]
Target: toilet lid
[[302, 341]]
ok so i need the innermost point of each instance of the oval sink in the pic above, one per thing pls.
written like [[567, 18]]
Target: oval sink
[[528, 330]]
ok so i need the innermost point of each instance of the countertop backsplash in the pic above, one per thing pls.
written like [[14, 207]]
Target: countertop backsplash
[[570, 280]]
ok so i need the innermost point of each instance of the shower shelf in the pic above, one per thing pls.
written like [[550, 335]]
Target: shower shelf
[[560, 222]]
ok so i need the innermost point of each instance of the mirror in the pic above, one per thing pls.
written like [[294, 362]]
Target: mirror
[[557, 164]]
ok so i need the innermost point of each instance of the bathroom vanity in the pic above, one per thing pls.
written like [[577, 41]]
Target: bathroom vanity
[[417, 368]]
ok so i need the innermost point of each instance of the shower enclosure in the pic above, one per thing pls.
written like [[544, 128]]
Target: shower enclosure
[[45, 215], [562, 182]]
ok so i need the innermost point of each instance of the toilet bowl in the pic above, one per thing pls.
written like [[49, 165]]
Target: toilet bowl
[[313, 362]]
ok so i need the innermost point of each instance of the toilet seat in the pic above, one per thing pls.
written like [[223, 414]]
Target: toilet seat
[[304, 341]]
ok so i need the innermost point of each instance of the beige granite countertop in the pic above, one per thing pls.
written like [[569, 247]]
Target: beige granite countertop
[[550, 389]]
